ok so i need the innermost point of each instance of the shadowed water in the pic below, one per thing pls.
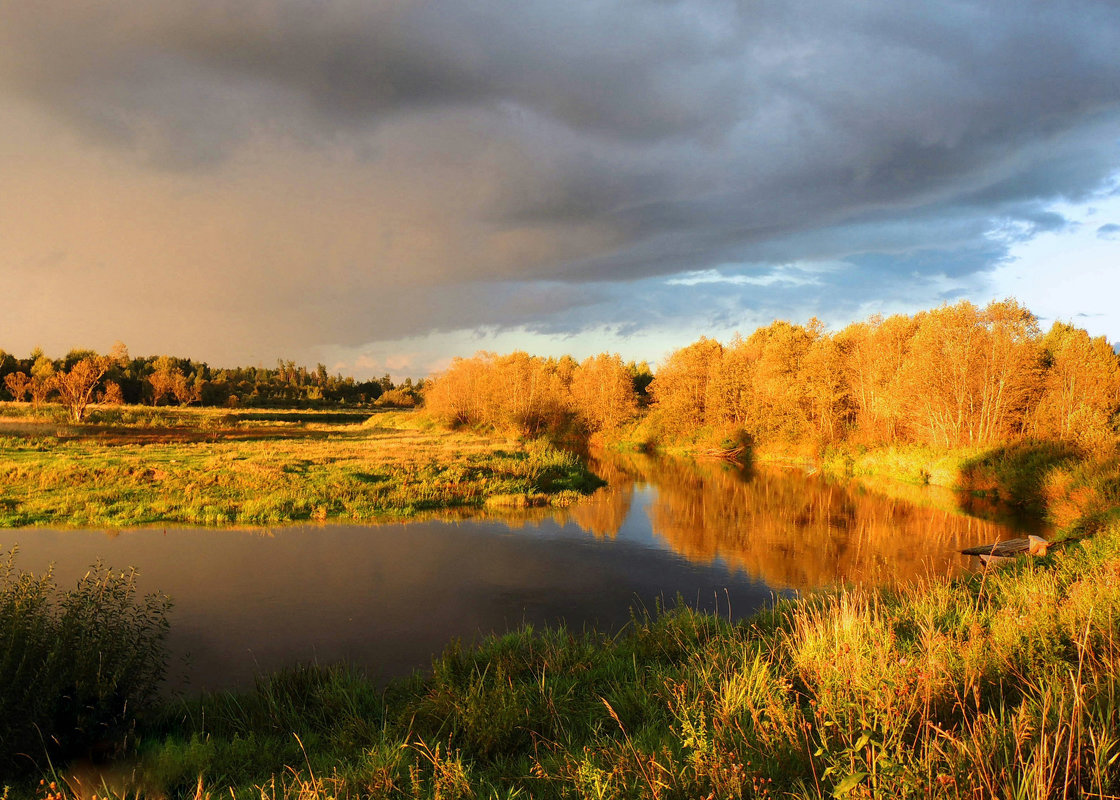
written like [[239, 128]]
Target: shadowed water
[[389, 597]]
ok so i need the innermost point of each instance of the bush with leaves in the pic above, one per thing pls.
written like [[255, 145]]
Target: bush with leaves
[[76, 666]]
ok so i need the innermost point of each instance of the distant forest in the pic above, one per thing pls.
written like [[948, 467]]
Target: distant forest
[[117, 378], [954, 376]]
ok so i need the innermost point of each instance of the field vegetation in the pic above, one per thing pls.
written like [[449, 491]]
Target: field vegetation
[[75, 665], [134, 466]]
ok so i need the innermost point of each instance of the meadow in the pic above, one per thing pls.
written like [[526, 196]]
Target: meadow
[[129, 466]]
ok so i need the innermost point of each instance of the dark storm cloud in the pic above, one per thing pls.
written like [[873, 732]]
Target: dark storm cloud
[[540, 163]]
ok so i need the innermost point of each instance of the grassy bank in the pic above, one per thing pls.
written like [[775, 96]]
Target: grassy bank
[[1076, 492], [1002, 684], [139, 466]]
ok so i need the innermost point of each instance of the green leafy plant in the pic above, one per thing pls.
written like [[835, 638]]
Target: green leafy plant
[[76, 666]]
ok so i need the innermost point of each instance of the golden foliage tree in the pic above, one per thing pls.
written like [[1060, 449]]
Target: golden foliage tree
[[112, 394], [530, 395], [1080, 388], [826, 395], [184, 389], [780, 408], [18, 384], [603, 393], [42, 380], [958, 375], [733, 397], [874, 353], [970, 373], [76, 386], [163, 379], [516, 392], [685, 388]]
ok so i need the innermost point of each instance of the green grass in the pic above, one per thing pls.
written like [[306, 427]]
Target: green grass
[[205, 467]]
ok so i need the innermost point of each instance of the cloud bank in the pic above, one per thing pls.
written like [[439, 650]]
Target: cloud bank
[[246, 179]]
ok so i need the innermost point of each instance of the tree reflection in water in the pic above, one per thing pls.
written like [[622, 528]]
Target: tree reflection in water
[[790, 529]]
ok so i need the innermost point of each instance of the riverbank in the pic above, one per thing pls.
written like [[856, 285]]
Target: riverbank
[[1076, 492], [137, 466], [1001, 684]]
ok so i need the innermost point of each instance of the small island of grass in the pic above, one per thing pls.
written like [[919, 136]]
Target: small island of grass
[[218, 467]]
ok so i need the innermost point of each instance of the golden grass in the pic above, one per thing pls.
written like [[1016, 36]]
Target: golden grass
[[216, 468]]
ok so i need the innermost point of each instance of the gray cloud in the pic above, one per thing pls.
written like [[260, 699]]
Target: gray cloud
[[381, 169], [1109, 231]]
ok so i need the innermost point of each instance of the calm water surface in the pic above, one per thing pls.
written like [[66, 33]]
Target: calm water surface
[[390, 597]]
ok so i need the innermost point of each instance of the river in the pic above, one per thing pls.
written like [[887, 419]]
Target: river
[[390, 597]]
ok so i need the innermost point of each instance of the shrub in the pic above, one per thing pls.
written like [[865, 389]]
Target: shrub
[[75, 666]]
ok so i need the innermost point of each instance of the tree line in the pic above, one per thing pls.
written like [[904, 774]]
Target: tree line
[[536, 396], [958, 375], [953, 376], [84, 377]]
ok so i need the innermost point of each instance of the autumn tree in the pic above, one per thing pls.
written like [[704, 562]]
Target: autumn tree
[[185, 390], [779, 409], [112, 394], [76, 386], [732, 394], [400, 397], [1080, 389], [18, 384], [461, 394], [603, 393], [119, 355], [42, 380], [516, 392], [874, 353], [683, 389], [970, 374], [826, 395], [163, 379]]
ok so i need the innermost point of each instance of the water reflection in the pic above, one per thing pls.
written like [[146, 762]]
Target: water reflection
[[784, 526], [791, 529]]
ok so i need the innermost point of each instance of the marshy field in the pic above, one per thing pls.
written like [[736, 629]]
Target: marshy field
[[137, 466]]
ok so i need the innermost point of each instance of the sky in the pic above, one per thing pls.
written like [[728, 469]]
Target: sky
[[381, 185]]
